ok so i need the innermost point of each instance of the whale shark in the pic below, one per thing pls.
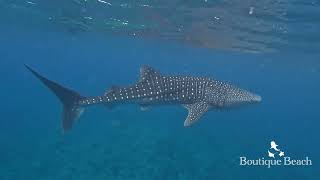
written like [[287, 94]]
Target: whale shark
[[197, 94]]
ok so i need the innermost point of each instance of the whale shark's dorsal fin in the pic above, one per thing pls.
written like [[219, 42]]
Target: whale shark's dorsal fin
[[196, 111], [148, 73]]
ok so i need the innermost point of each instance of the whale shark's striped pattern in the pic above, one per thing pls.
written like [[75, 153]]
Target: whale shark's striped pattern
[[197, 94]]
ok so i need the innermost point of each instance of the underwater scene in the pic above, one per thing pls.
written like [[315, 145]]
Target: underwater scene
[[160, 90]]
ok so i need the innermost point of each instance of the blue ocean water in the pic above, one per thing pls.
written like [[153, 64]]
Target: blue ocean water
[[126, 143]]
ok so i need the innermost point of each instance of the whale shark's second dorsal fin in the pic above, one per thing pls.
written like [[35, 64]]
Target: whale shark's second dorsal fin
[[196, 111], [111, 90], [148, 73]]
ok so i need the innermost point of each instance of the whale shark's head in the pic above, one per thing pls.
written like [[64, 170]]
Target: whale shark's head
[[225, 95], [235, 97]]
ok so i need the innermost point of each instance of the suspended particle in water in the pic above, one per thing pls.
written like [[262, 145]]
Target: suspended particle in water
[[251, 9]]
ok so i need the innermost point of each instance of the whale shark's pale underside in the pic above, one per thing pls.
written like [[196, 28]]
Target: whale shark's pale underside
[[197, 94]]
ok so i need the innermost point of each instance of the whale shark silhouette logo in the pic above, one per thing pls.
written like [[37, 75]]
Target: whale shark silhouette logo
[[273, 150]]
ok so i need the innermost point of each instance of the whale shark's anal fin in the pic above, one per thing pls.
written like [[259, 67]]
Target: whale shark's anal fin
[[196, 111], [144, 107]]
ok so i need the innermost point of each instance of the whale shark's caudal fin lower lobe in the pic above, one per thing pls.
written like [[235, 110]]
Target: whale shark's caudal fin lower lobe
[[69, 99]]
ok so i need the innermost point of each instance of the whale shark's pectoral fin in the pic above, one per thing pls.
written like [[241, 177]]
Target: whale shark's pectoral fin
[[196, 111]]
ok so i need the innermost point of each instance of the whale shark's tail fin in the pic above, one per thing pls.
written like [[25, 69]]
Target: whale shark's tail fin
[[68, 97]]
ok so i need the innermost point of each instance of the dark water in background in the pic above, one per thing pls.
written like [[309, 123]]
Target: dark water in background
[[125, 143]]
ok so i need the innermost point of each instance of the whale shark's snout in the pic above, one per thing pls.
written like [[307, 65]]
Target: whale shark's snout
[[237, 96], [256, 98], [248, 97]]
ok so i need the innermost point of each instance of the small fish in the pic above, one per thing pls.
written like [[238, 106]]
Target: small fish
[[197, 94]]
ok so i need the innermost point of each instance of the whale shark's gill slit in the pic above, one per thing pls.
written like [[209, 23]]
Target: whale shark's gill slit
[[68, 97]]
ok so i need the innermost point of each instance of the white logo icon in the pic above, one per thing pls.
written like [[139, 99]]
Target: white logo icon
[[274, 146], [270, 154], [275, 149]]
